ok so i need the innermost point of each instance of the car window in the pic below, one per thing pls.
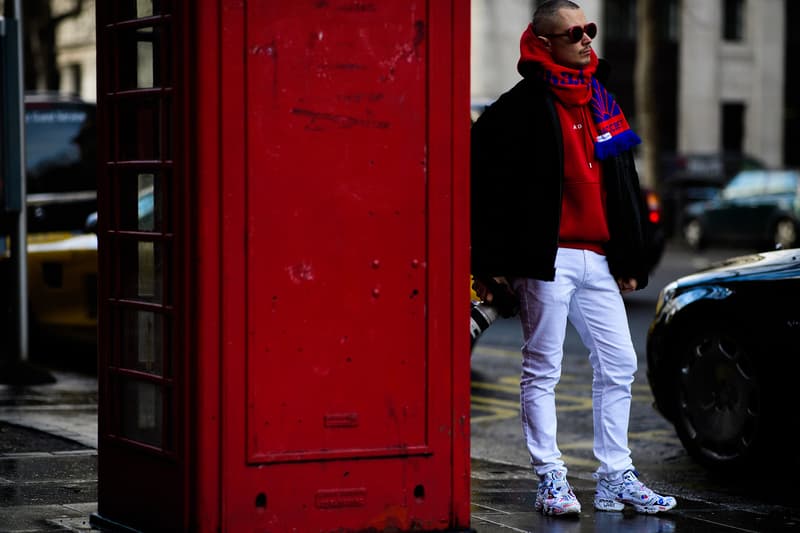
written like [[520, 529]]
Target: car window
[[744, 184], [782, 182]]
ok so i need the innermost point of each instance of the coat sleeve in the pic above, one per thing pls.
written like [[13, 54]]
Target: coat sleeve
[[482, 200], [627, 249], [515, 191]]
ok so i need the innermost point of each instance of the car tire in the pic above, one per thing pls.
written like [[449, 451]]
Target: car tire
[[693, 234], [784, 234], [720, 407]]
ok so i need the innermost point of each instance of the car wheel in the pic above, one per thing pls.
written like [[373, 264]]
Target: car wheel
[[693, 234], [719, 412], [785, 234]]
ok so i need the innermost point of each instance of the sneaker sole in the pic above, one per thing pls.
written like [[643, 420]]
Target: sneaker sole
[[652, 509], [606, 504], [561, 511], [617, 506]]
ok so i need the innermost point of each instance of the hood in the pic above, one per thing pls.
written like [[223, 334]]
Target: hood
[[775, 264], [533, 55]]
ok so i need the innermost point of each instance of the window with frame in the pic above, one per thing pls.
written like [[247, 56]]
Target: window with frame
[[733, 20]]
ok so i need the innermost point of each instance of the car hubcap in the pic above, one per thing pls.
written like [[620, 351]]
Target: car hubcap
[[719, 398]]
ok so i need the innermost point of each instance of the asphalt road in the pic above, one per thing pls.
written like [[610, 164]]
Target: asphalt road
[[657, 452]]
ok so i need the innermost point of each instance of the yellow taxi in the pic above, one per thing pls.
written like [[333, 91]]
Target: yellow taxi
[[61, 193]]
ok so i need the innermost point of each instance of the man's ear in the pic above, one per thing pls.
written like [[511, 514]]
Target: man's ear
[[545, 40]]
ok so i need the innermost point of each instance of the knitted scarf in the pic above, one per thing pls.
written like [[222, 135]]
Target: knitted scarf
[[579, 87]]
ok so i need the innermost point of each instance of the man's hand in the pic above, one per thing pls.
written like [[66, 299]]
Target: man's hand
[[482, 291], [498, 293], [626, 285]]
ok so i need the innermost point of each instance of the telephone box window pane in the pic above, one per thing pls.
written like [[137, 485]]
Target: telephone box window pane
[[145, 203], [139, 54], [144, 64], [141, 202], [149, 274], [142, 270], [144, 8], [142, 338], [136, 9], [139, 130], [142, 408]]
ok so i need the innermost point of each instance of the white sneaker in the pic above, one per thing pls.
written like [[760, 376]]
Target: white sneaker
[[630, 491], [554, 495]]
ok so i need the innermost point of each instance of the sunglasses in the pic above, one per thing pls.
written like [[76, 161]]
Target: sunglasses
[[575, 33]]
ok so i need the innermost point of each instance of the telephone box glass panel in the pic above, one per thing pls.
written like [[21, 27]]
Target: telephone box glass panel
[[143, 341], [142, 200], [142, 270], [140, 131], [142, 410]]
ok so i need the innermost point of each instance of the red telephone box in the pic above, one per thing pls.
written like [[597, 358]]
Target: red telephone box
[[284, 254]]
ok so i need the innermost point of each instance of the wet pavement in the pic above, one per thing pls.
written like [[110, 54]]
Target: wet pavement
[[48, 455], [48, 478]]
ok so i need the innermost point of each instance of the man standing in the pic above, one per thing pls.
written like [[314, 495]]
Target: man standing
[[557, 213]]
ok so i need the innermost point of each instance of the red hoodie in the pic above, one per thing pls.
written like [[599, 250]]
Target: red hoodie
[[583, 213]]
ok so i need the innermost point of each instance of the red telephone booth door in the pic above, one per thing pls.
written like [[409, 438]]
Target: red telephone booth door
[[284, 257], [346, 377]]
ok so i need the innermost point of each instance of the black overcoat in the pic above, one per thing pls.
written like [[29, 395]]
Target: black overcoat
[[517, 173]]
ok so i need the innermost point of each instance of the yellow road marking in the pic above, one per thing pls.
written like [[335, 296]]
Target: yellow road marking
[[497, 408], [496, 352], [511, 384], [656, 435], [485, 400], [503, 409]]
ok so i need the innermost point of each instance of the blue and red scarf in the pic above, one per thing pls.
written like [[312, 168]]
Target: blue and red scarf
[[580, 87]]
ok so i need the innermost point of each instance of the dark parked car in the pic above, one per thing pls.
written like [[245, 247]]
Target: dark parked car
[[757, 207], [681, 192], [689, 178], [722, 358]]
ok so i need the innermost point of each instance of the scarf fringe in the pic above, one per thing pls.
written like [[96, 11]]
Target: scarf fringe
[[616, 144]]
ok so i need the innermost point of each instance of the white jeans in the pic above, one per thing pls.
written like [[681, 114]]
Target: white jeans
[[584, 293]]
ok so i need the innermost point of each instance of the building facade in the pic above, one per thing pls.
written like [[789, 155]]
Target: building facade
[[722, 76], [725, 82], [75, 44]]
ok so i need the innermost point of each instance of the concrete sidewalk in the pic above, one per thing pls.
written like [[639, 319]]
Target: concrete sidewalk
[[48, 478]]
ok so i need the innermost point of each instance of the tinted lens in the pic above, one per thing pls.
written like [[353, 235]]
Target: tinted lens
[[575, 34]]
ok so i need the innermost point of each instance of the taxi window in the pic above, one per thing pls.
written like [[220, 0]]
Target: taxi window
[[59, 148]]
